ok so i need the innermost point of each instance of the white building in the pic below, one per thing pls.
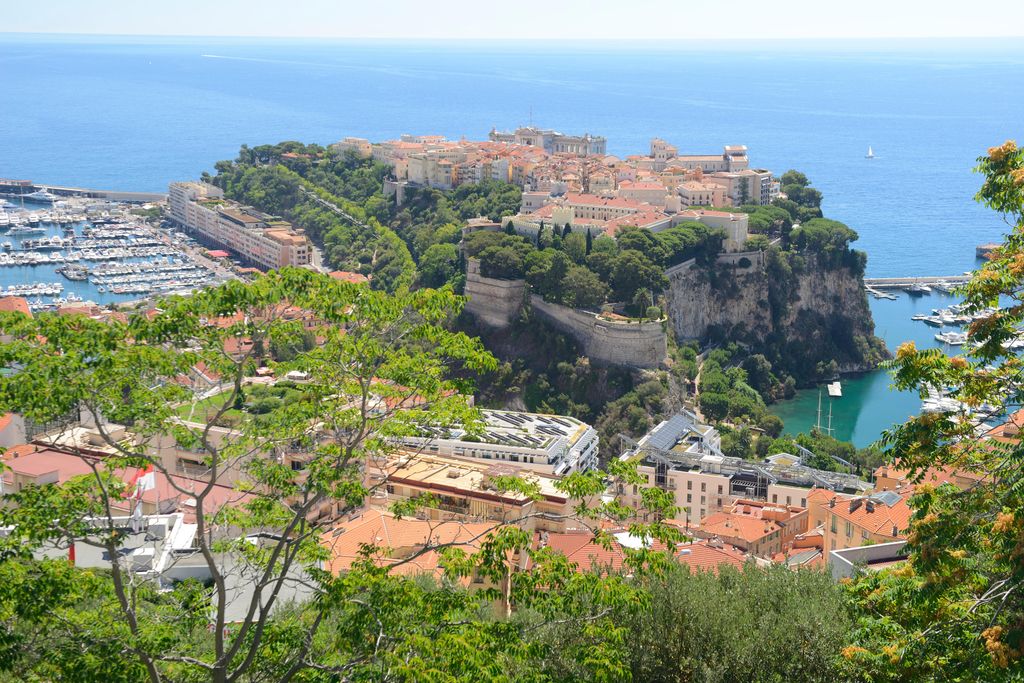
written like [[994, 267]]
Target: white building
[[550, 444]]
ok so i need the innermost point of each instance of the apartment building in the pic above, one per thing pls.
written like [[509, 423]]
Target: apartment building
[[259, 239], [756, 527], [683, 456], [849, 521], [747, 186], [549, 444]]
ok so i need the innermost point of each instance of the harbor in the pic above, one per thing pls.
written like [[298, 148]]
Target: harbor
[[868, 404], [56, 251]]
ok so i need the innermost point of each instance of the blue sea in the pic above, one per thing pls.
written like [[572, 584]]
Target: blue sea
[[137, 113]]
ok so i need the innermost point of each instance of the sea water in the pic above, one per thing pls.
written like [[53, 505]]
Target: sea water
[[137, 113]]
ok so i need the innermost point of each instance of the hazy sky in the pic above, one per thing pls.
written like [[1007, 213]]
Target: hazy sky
[[559, 19]]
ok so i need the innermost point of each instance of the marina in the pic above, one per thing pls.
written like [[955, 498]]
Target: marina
[[57, 251], [869, 404]]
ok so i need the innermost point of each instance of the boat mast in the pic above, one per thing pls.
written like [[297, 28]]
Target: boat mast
[[818, 426]]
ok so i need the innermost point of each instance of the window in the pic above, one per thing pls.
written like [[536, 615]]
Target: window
[[689, 485], [703, 486], [803, 502], [702, 500], [775, 498], [719, 501], [719, 492], [835, 526], [788, 501], [864, 534], [849, 529], [689, 497]]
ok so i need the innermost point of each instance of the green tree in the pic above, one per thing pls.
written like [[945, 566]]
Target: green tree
[[438, 265], [956, 610], [633, 271], [78, 624], [583, 289]]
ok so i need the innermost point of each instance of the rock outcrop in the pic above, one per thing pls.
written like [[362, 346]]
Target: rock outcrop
[[790, 305]]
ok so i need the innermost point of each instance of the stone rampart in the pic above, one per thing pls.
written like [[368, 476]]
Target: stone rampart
[[633, 344], [492, 302]]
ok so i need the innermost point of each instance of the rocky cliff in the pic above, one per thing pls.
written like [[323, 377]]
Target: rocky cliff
[[807, 314]]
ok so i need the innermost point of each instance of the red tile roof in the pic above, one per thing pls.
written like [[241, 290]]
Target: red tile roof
[[15, 304]]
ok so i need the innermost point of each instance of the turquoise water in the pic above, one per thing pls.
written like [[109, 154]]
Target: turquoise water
[[869, 405]]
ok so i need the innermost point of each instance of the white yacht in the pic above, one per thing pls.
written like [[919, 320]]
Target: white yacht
[[42, 195], [870, 154]]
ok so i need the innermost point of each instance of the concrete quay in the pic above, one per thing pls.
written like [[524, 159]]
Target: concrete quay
[[903, 282]]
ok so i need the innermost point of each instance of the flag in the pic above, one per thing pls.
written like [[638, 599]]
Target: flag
[[137, 517], [145, 479]]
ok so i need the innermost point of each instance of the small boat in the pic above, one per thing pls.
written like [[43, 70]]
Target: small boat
[[870, 154], [919, 316]]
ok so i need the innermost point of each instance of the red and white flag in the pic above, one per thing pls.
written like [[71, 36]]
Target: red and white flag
[[145, 479]]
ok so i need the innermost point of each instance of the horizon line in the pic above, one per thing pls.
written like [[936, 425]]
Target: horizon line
[[561, 40]]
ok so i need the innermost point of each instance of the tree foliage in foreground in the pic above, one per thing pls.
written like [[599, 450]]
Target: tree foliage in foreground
[[955, 612], [382, 369]]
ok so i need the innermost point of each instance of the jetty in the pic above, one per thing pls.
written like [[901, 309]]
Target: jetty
[[880, 283]]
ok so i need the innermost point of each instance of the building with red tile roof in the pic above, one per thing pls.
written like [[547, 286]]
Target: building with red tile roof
[[849, 521], [582, 550], [408, 544], [15, 304], [346, 276], [756, 527]]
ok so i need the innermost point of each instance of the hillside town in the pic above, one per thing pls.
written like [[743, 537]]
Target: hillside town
[[309, 402]]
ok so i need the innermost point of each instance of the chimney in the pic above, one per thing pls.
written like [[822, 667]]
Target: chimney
[[869, 506], [855, 504], [832, 502]]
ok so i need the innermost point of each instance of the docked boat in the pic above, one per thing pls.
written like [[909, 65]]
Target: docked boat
[[74, 272], [952, 338], [917, 289], [42, 195], [26, 230]]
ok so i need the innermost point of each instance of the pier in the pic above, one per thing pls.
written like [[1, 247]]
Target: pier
[[17, 188], [879, 283]]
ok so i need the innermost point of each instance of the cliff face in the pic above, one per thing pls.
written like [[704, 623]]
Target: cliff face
[[806, 315]]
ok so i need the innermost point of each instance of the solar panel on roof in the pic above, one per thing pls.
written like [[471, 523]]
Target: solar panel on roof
[[665, 436], [890, 498]]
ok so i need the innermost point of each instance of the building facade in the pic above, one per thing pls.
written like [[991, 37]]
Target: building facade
[[263, 241]]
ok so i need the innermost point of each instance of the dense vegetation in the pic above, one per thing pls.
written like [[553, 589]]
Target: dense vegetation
[[584, 271]]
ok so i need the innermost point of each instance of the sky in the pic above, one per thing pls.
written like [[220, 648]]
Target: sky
[[528, 19]]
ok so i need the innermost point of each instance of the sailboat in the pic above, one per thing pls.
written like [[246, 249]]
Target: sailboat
[[870, 154]]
